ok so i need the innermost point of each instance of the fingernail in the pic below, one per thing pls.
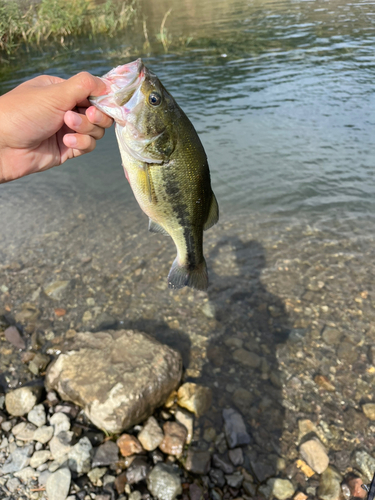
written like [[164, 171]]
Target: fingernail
[[70, 141], [76, 119]]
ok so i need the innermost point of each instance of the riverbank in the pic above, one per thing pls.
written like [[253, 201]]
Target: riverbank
[[28, 23]]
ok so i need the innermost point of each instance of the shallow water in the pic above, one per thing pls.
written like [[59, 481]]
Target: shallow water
[[281, 93]]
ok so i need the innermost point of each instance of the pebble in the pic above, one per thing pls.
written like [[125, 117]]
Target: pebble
[[105, 454], [174, 439], [24, 431], [43, 434], [151, 435], [314, 453], [129, 445], [301, 464], [300, 496], [39, 458], [281, 488], [234, 480], [80, 456], [54, 290], [217, 477], [365, 463], [222, 463], [60, 422], [164, 483], [197, 462], [354, 485], [58, 484], [13, 484], [329, 485], [331, 336], [247, 358], [21, 401], [60, 444], [305, 427], [236, 456], [138, 470], [37, 416], [186, 419], [369, 410], [26, 474], [195, 398], [18, 460], [14, 337], [195, 492], [235, 429], [96, 474]]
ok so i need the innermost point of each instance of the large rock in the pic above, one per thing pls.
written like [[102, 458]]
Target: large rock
[[119, 377]]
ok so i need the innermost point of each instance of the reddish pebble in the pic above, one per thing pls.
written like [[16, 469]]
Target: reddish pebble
[[129, 445], [60, 312], [174, 439], [120, 482], [355, 487], [13, 336]]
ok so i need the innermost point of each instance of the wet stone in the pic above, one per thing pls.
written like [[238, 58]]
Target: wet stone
[[329, 485], [37, 415], [234, 480], [106, 454], [39, 363], [195, 398], [174, 439], [354, 485], [58, 484], [197, 462], [354, 420], [129, 445], [151, 435], [163, 482], [347, 352], [315, 455], [236, 456], [186, 419], [195, 492], [281, 488], [222, 463], [138, 470], [217, 477], [22, 400], [14, 337], [366, 463], [235, 429], [369, 410], [247, 358], [120, 482], [56, 289], [331, 336]]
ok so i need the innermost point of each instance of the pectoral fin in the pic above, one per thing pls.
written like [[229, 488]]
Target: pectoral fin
[[154, 227], [213, 214]]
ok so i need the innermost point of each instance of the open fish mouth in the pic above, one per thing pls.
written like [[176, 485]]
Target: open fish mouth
[[121, 83]]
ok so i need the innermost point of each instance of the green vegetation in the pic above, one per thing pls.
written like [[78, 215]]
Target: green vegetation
[[30, 22]]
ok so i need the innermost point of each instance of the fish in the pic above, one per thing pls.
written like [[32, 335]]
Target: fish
[[165, 164]]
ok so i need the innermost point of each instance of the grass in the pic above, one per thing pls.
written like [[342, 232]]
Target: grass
[[29, 22]]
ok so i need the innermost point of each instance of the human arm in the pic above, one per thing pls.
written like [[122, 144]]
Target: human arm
[[39, 129]]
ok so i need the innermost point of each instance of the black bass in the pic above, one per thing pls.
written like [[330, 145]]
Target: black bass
[[165, 164]]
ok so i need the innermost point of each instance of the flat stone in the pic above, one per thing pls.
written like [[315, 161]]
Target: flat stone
[[369, 410], [366, 464], [331, 336], [195, 398], [281, 488], [39, 458], [315, 455], [235, 429], [14, 337], [305, 427], [18, 460], [247, 358], [186, 419], [58, 484], [37, 415], [236, 456], [22, 400], [197, 462], [164, 483], [80, 456], [105, 454], [60, 422], [24, 431], [43, 434], [151, 435], [56, 289], [174, 439], [234, 480], [329, 485], [129, 445], [119, 377]]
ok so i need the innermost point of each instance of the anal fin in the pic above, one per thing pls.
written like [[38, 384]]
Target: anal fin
[[154, 227], [213, 214]]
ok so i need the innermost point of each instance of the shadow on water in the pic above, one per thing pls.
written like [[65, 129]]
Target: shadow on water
[[242, 367]]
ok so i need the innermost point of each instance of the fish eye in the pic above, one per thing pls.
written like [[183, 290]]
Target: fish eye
[[154, 99]]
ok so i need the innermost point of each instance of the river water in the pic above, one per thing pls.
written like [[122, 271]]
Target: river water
[[281, 94]]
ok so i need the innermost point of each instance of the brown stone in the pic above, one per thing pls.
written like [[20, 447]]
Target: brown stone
[[355, 487], [129, 445], [120, 482], [174, 439], [13, 336]]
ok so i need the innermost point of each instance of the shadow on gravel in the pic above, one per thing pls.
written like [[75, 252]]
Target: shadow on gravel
[[242, 368]]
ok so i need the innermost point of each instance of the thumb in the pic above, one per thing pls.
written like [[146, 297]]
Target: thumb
[[77, 88]]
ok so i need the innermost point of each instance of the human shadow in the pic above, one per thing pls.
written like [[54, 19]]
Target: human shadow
[[242, 368]]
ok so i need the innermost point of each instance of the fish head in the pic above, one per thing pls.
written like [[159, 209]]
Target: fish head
[[143, 110]]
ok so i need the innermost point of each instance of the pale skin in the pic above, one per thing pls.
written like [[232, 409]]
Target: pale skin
[[46, 121]]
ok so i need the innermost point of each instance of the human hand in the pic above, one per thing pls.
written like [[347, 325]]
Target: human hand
[[46, 121]]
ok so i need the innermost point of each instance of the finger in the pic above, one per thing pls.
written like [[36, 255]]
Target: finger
[[98, 117], [79, 87], [80, 142], [80, 123]]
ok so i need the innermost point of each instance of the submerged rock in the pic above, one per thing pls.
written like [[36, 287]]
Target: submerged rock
[[329, 486], [235, 429], [315, 455], [119, 377], [164, 483], [195, 398]]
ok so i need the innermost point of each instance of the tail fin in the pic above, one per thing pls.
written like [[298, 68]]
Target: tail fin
[[180, 276]]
